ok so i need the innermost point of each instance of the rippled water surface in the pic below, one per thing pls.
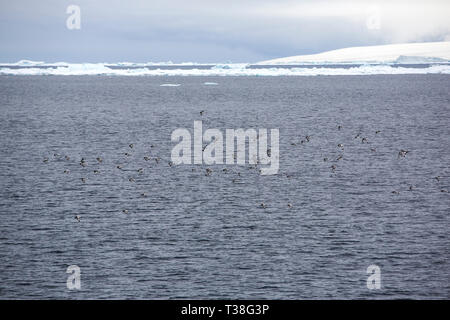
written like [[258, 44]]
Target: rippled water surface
[[197, 236]]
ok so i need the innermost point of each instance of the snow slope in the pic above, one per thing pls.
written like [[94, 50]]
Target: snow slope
[[425, 52]]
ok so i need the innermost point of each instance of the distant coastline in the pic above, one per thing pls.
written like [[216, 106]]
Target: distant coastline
[[424, 52]]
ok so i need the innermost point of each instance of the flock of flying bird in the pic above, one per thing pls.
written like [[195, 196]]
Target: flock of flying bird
[[401, 154], [208, 172], [83, 163]]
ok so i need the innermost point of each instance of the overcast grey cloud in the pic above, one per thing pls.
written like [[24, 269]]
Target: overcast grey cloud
[[209, 31]]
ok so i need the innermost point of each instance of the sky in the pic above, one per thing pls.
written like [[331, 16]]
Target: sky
[[210, 31]]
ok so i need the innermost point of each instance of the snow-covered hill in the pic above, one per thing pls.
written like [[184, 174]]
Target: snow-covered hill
[[425, 52]]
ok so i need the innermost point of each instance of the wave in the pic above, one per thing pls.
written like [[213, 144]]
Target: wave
[[26, 67]]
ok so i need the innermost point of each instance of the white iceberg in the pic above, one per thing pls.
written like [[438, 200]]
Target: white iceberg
[[24, 63], [102, 70], [387, 59], [230, 66], [416, 53]]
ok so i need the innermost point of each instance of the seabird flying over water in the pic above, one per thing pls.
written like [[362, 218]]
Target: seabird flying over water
[[402, 153]]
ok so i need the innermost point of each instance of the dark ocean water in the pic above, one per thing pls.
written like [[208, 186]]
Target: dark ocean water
[[197, 236]]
